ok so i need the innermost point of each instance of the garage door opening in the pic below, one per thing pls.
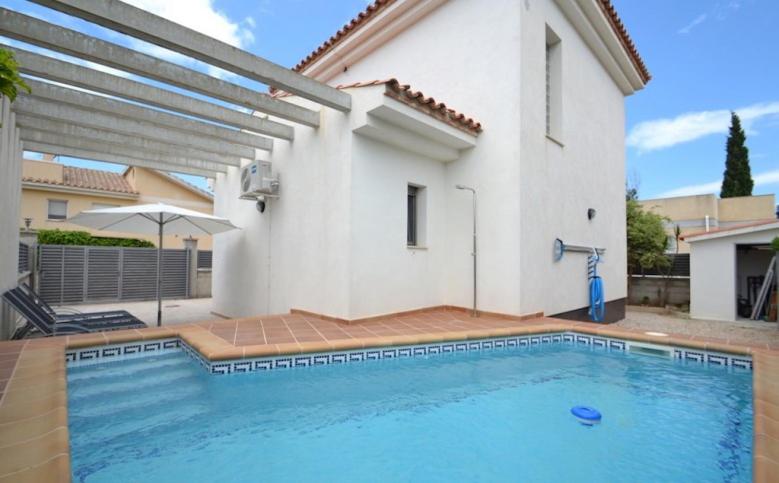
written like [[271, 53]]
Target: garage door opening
[[752, 265]]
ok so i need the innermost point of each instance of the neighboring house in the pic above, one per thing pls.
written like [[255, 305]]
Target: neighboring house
[[53, 192], [369, 222], [700, 213], [728, 264]]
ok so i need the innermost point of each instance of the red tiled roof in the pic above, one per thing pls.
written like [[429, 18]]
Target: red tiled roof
[[730, 228], [624, 37], [417, 100], [88, 179], [377, 6], [370, 11]]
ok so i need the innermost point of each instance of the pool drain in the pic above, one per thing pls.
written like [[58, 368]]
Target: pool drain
[[586, 415]]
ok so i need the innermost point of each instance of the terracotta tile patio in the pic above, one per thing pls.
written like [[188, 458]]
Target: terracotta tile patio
[[296, 328]]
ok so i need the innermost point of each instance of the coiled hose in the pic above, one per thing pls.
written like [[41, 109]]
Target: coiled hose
[[597, 297]]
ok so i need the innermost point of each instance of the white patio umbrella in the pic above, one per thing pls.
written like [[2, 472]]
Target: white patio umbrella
[[153, 219]]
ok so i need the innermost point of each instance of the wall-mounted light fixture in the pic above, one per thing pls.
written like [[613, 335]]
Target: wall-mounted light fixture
[[591, 213]]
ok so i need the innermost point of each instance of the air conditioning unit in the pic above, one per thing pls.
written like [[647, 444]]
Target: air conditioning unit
[[257, 181]]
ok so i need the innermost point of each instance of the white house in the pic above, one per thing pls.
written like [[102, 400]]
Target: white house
[[727, 264], [369, 221]]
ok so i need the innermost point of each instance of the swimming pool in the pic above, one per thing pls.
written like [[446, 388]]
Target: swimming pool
[[491, 415]]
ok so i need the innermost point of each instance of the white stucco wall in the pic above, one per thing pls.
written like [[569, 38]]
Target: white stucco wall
[[557, 184], [713, 274], [336, 239], [10, 197], [295, 255], [387, 276], [467, 56]]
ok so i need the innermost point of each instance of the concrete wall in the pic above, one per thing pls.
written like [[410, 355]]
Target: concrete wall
[[653, 288], [560, 179], [689, 212], [10, 195], [713, 274], [203, 283], [43, 169], [747, 208]]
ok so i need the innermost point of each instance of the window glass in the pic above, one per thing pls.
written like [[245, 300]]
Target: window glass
[[58, 209]]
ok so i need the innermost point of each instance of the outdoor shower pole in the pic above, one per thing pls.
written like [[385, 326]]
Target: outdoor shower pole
[[159, 277], [474, 312]]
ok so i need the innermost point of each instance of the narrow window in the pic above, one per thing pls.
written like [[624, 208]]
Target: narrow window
[[58, 209], [553, 73], [411, 223]]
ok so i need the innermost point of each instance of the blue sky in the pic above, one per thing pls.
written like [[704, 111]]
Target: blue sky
[[706, 56]]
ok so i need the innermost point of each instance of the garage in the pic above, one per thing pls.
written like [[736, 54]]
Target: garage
[[732, 272]]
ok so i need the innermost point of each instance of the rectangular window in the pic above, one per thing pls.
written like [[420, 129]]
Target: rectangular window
[[58, 209], [411, 219], [553, 73], [416, 216]]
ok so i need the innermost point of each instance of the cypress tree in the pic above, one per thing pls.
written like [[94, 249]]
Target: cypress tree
[[737, 179]]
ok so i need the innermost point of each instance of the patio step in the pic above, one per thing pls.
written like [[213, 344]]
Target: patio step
[[120, 387], [129, 368]]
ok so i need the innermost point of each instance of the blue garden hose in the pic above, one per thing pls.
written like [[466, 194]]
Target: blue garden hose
[[597, 297]]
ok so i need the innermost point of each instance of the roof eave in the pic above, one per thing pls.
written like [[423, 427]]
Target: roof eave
[[608, 40], [363, 35]]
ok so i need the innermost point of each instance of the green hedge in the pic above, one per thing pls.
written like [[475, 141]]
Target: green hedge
[[63, 237]]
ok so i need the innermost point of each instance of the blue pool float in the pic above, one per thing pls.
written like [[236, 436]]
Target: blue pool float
[[586, 415]]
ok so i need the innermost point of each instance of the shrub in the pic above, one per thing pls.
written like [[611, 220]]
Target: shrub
[[65, 237]]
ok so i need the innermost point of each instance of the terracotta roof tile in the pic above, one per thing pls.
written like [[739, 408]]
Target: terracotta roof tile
[[88, 179], [417, 100], [624, 37], [374, 8], [370, 11]]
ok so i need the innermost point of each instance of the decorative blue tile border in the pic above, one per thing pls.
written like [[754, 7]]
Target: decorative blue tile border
[[93, 355], [108, 353], [712, 358]]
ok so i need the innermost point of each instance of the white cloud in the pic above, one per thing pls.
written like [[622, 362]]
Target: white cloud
[[695, 22], [664, 133], [201, 16], [762, 179]]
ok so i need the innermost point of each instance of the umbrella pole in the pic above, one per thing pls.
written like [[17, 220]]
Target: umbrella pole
[[159, 277]]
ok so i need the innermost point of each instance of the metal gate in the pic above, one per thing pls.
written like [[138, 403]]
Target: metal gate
[[73, 274]]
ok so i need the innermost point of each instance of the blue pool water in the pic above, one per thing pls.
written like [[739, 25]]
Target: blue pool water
[[500, 415]]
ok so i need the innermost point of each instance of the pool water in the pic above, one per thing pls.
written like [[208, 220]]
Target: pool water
[[501, 415]]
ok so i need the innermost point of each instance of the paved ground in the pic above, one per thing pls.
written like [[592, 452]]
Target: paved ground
[[298, 328], [745, 331], [174, 312]]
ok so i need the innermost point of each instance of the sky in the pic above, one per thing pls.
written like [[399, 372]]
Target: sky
[[707, 57]]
